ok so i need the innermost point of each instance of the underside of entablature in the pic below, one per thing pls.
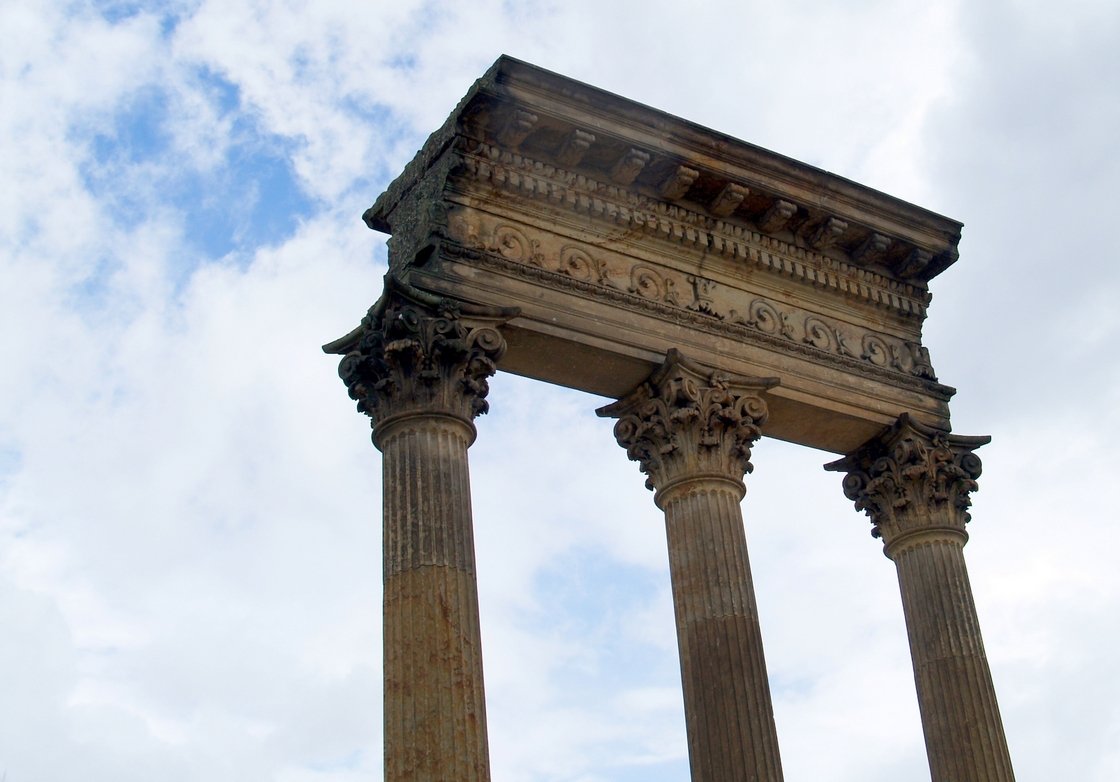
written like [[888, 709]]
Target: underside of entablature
[[576, 330]]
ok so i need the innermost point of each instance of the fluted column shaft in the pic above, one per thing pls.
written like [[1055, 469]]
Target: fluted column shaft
[[418, 366], [914, 482], [960, 716], [435, 713], [691, 430], [730, 718]]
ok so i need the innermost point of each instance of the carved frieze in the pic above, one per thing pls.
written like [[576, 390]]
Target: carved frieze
[[687, 422], [610, 274], [913, 481], [655, 217]]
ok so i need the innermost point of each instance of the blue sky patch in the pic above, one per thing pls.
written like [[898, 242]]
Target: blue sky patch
[[138, 131], [255, 200], [223, 92], [115, 12], [252, 198], [10, 461]]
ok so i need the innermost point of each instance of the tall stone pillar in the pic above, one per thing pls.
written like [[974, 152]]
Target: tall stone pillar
[[914, 482], [691, 431], [418, 366]]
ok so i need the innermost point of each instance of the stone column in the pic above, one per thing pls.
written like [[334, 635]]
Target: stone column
[[691, 430], [418, 366], [914, 482]]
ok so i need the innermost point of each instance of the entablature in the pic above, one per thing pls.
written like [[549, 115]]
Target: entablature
[[632, 217], [550, 120], [621, 232]]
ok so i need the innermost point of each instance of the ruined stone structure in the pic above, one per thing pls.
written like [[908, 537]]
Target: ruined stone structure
[[719, 292]]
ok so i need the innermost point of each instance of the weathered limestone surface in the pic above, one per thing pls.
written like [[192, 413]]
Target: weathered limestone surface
[[914, 482], [691, 431], [435, 716], [622, 232], [604, 238], [418, 366]]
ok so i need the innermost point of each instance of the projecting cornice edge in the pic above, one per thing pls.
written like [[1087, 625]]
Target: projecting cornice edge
[[522, 108]]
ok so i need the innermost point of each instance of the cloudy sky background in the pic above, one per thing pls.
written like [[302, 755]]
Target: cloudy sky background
[[190, 506]]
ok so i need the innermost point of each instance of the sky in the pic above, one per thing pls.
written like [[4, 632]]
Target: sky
[[190, 506]]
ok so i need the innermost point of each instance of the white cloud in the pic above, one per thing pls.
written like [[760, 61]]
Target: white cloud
[[189, 542]]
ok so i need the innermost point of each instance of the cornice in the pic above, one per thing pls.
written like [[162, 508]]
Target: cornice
[[555, 120], [527, 89], [643, 217]]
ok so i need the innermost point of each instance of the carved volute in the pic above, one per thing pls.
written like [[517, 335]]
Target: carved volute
[[419, 354], [687, 423], [914, 482]]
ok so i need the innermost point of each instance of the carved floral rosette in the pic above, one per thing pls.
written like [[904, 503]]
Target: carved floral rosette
[[686, 422], [417, 353], [913, 479]]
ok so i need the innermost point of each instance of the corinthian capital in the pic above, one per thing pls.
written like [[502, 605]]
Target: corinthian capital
[[913, 479], [687, 422], [418, 353]]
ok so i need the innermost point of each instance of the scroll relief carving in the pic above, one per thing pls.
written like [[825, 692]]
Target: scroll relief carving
[[621, 279]]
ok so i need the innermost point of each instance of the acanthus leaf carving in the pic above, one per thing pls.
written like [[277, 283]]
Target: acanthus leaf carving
[[918, 260], [872, 249], [728, 199], [677, 183], [688, 422], [828, 232], [417, 352], [913, 479], [518, 127], [842, 346], [574, 147], [628, 166], [734, 325], [897, 361], [777, 216], [762, 315]]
